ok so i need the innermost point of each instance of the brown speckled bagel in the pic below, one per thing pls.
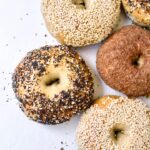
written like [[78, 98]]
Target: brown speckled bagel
[[123, 124], [53, 84], [80, 22], [138, 11], [123, 61]]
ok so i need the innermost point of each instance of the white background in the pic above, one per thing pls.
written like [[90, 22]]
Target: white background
[[21, 30]]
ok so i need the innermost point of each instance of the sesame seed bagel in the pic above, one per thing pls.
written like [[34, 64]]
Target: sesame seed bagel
[[124, 124], [53, 84], [138, 11], [80, 22], [123, 61]]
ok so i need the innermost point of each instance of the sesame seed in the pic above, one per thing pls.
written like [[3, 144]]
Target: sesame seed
[[79, 27], [131, 116]]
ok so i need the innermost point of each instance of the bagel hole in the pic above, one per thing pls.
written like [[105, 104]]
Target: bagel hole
[[52, 81], [79, 4], [118, 133], [137, 61]]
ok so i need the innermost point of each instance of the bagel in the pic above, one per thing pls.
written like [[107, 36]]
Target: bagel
[[138, 11], [80, 22], [53, 84], [123, 61], [123, 124], [104, 101]]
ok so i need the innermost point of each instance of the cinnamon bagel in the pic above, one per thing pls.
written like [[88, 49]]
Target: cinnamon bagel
[[123, 61]]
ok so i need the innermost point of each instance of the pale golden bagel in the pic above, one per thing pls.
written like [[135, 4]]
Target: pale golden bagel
[[80, 22], [123, 124]]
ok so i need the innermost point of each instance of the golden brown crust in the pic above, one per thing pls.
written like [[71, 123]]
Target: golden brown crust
[[72, 84], [77, 25], [105, 101], [138, 11], [123, 61]]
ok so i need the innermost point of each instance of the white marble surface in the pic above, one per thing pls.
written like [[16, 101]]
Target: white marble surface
[[22, 29]]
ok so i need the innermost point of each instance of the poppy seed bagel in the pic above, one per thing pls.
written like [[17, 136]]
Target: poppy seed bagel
[[53, 84]]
